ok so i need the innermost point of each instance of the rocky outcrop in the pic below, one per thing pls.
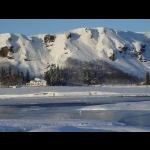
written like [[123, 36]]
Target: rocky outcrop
[[141, 58], [90, 35], [11, 49], [143, 48], [4, 51], [87, 29], [26, 59], [112, 57], [124, 48], [140, 51], [49, 38], [68, 35]]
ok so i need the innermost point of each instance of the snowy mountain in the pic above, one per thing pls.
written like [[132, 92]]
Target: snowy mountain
[[125, 50]]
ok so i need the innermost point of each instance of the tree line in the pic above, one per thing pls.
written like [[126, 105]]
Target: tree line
[[147, 79], [95, 72], [11, 75], [75, 73]]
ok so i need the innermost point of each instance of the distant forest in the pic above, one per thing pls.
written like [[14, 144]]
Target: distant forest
[[10, 75], [75, 73], [91, 73]]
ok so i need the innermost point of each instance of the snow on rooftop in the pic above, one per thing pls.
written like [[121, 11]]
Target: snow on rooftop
[[37, 79]]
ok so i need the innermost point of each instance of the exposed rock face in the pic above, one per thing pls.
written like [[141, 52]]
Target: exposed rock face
[[143, 48], [88, 31], [10, 57], [112, 57], [122, 48], [49, 38], [138, 51], [11, 49], [27, 59], [4, 51], [68, 36], [141, 58]]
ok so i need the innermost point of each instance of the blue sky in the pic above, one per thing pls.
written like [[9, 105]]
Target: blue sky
[[38, 26]]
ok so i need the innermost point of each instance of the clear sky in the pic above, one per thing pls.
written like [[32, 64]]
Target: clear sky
[[51, 26]]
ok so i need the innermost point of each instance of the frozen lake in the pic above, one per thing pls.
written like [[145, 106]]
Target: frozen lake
[[64, 108], [91, 109]]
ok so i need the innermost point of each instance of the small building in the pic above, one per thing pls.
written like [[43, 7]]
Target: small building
[[37, 82], [14, 86], [142, 83]]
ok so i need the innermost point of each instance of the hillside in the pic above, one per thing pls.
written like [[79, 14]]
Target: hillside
[[125, 50]]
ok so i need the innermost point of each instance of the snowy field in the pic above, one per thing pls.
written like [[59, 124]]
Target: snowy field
[[75, 109], [74, 91]]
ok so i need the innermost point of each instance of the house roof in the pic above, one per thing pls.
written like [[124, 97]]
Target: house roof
[[38, 80]]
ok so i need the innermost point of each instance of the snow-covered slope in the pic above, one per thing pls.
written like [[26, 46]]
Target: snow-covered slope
[[126, 50]]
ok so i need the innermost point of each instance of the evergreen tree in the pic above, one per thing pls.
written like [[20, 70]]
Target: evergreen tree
[[147, 79], [64, 77], [84, 77], [27, 77], [18, 72], [87, 77], [51, 76], [23, 78], [9, 71], [95, 78], [58, 75], [3, 73], [54, 75], [47, 78]]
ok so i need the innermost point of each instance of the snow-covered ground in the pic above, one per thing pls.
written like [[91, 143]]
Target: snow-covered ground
[[74, 91], [51, 121], [68, 125], [145, 105]]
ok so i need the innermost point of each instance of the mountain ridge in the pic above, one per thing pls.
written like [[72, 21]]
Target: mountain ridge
[[126, 50]]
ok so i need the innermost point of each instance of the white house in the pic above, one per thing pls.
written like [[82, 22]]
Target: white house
[[37, 82], [142, 83]]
